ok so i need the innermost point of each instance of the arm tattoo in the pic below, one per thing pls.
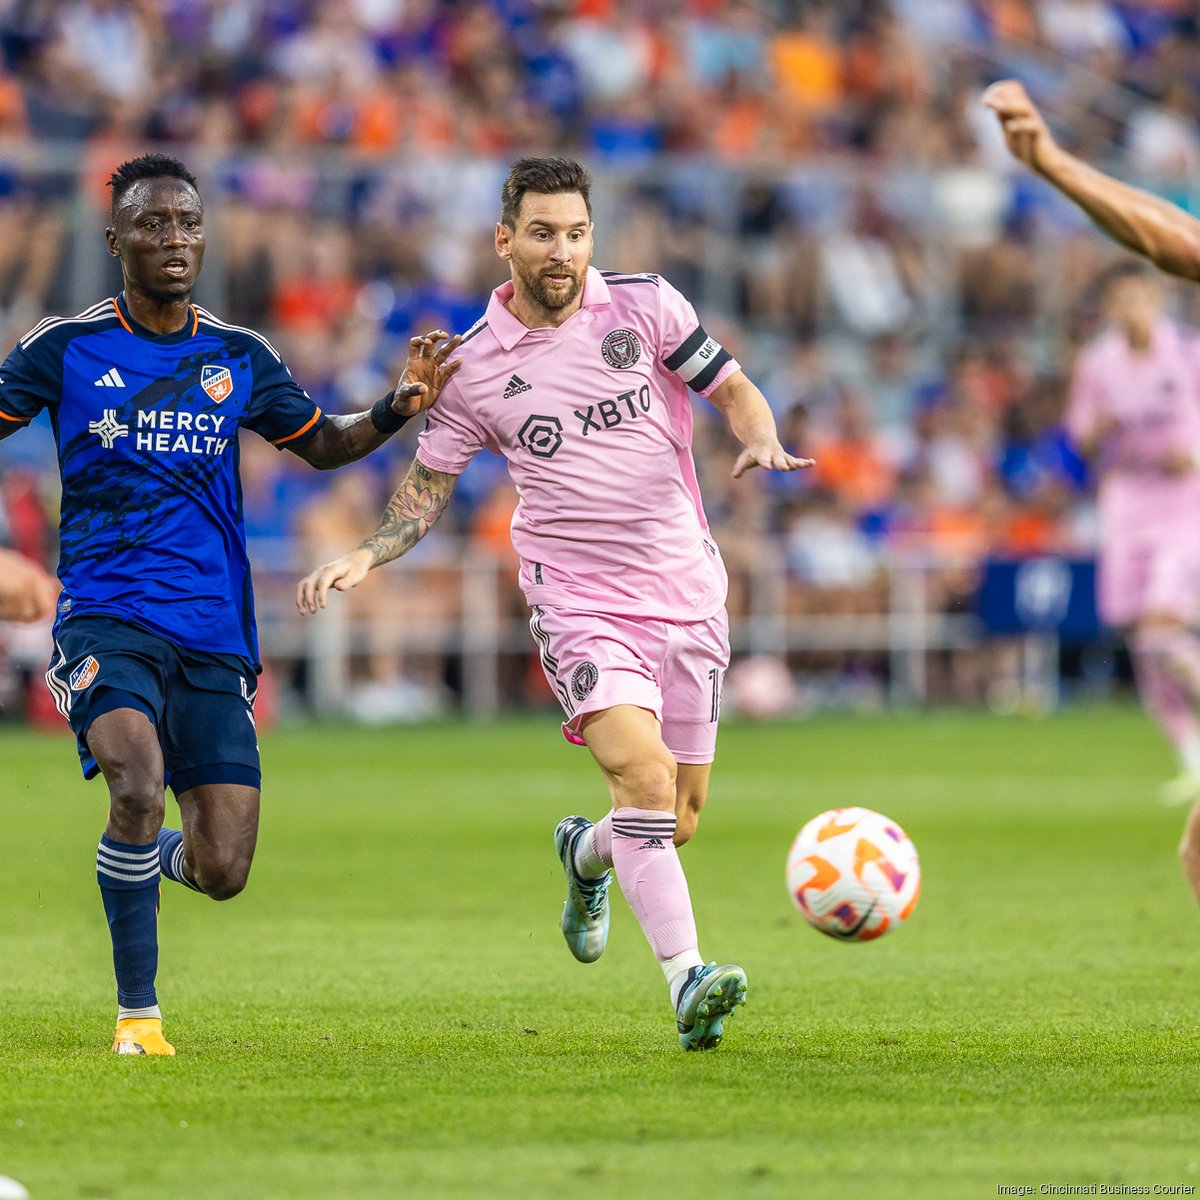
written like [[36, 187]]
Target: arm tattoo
[[419, 501]]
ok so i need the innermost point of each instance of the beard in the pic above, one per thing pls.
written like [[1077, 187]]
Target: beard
[[542, 292]]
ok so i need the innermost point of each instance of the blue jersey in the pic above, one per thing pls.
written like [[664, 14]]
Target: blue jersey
[[147, 432]]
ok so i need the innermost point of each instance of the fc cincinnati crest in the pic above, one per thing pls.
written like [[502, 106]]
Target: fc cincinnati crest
[[583, 679], [621, 349], [216, 381], [83, 674]]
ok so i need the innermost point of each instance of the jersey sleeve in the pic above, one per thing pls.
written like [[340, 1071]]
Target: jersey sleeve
[[452, 436], [29, 382], [685, 348], [280, 409]]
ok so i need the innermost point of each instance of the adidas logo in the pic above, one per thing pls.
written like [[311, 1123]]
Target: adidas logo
[[516, 385], [652, 844], [110, 378]]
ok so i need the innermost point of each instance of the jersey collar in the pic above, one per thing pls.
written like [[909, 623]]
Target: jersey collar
[[139, 330], [509, 331]]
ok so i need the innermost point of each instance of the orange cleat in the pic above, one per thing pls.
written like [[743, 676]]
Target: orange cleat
[[141, 1035]]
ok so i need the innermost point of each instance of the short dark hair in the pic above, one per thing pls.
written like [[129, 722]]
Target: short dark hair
[[1122, 269], [545, 176], [146, 166]]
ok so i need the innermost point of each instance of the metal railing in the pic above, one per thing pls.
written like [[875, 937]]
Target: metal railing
[[477, 632]]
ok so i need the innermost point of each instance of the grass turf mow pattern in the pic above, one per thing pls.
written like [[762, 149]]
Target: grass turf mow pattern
[[389, 1009]]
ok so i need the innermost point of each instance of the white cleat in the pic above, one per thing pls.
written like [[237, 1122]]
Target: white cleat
[[585, 914]]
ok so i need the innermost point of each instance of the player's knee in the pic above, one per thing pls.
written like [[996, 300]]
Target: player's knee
[[648, 784], [135, 798], [222, 879]]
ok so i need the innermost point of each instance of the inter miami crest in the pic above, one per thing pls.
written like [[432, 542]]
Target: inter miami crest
[[216, 381], [583, 679], [621, 349]]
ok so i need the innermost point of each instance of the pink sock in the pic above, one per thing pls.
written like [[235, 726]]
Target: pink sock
[[1174, 651], [602, 839], [651, 876], [1163, 697]]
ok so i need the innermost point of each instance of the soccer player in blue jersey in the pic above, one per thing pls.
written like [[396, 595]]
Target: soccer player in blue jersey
[[155, 650]]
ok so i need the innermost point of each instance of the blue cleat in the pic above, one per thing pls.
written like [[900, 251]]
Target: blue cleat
[[710, 994], [585, 914]]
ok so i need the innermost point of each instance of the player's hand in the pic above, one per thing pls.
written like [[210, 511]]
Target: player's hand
[[771, 456], [426, 372], [1025, 131], [343, 574], [27, 593]]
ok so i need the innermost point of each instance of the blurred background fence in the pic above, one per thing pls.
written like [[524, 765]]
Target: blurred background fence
[[818, 178]]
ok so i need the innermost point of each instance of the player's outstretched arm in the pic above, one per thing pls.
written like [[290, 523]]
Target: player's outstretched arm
[[753, 424], [411, 513], [27, 593], [342, 439], [1148, 225]]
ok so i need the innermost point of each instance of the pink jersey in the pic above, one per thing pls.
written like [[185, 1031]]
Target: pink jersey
[[595, 420], [1154, 398]]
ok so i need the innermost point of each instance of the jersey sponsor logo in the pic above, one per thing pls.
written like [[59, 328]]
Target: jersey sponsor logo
[[541, 436], [621, 349], [108, 429], [110, 378], [180, 431], [608, 414], [81, 678], [516, 385], [216, 381], [583, 680]]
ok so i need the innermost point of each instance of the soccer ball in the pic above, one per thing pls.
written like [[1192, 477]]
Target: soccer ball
[[853, 874]]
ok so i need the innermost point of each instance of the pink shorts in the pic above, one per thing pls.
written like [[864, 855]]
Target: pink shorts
[[674, 669], [1144, 576]]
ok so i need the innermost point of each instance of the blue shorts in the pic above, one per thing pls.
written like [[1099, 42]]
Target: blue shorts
[[202, 705]]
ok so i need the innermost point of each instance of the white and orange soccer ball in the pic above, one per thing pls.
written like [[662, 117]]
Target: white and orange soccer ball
[[854, 874]]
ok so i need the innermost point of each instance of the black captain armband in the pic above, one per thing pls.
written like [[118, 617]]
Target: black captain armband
[[384, 417]]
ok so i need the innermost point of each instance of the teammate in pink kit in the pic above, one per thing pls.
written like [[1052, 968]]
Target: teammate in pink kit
[[1145, 223], [580, 379], [1135, 411]]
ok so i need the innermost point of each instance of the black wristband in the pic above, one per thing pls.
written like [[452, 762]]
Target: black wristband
[[384, 417]]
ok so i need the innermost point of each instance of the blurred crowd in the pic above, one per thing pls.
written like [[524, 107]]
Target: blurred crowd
[[817, 176]]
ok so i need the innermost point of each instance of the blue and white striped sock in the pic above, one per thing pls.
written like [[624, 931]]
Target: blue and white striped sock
[[128, 878], [170, 858]]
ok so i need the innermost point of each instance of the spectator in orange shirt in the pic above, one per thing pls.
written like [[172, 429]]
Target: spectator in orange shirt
[[851, 462]]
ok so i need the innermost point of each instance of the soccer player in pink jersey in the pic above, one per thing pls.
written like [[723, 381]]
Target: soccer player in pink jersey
[[580, 379], [1147, 224], [1135, 411]]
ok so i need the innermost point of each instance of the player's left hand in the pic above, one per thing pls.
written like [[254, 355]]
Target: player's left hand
[[771, 456], [426, 372]]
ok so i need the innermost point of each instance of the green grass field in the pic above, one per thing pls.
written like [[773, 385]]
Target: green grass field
[[389, 1010]]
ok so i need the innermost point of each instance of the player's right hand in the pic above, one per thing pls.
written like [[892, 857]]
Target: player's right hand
[[1025, 132], [27, 593], [426, 372], [341, 575]]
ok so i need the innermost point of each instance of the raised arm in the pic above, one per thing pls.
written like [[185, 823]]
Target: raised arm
[[342, 439], [411, 513], [753, 424], [1148, 225]]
